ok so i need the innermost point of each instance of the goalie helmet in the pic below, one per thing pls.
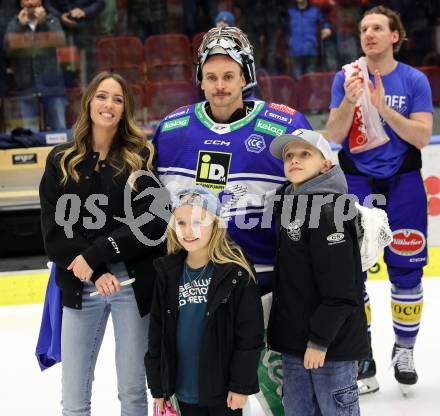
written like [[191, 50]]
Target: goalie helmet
[[229, 41]]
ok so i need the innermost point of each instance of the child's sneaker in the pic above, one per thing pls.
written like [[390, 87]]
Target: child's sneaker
[[404, 370], [367, 382]]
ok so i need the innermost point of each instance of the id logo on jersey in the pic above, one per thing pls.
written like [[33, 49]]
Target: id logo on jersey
[[213, 169]]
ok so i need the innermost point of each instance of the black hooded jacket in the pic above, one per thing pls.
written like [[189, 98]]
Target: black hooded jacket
[[318, 288]]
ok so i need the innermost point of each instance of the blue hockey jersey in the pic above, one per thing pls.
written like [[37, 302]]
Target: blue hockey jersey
[[232, 160]]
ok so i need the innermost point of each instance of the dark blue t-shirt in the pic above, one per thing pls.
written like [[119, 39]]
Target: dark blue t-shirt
[[193, 299]]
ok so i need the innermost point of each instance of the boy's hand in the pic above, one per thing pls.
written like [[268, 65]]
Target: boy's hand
[[313, 358], [236, 400]]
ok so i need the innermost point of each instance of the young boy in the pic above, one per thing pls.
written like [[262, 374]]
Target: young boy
[[317, 320]]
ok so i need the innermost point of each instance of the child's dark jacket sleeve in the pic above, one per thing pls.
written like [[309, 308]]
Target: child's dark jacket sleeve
[[248, 332], [334, 271]]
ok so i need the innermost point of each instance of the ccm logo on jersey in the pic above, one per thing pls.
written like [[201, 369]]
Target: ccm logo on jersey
[[287, 120], [283, 108], [335, 238], [113, 243], [407, 242], [217, 142]]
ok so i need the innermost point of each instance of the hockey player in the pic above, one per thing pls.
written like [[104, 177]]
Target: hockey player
[[223, 144], [401, 96]]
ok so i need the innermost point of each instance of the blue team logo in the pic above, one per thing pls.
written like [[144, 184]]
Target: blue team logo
[[255, 143]]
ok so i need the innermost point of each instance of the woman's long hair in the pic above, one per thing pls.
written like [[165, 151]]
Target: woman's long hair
[[129, 140], [221, 249]]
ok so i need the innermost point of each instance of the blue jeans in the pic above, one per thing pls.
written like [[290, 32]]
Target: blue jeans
[[55, 110], [81, 338], [327, 391]]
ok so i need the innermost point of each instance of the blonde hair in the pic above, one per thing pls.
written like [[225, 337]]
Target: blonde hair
[[129, 137], [221, 250]]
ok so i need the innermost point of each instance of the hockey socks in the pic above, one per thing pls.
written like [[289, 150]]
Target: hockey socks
[[406, 305]]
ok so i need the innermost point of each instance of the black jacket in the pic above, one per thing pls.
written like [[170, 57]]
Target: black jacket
[[318, 288], [232, 339], [91, 7], [121, 244]]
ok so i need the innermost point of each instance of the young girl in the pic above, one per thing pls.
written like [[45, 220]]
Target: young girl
[[206, 328]]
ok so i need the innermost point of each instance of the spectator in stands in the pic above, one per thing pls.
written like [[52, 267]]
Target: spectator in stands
[[147, 17], [78, 18], [108, 19], [329, 51], [306, 26], [7, 12], [38, 77], [96, 167], [225, 19]]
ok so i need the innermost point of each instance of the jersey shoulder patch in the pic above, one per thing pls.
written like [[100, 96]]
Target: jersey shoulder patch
[[282, 108], [183, 111], [272, 113]]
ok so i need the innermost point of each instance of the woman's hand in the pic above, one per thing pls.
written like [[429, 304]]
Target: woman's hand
[[313, 358], [81, 268], [236, 400], [107, 284]]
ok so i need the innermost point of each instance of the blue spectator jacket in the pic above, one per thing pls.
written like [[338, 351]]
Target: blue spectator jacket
[[304, 27]]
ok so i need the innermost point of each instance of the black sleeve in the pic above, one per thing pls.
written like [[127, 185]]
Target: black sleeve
[[123, 244], [153, 355], [59, 248], [51, 8], [14, 26], [248, 332], [94, 9], [334, 272]]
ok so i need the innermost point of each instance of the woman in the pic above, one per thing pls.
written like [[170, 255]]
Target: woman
[[95, 251]]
